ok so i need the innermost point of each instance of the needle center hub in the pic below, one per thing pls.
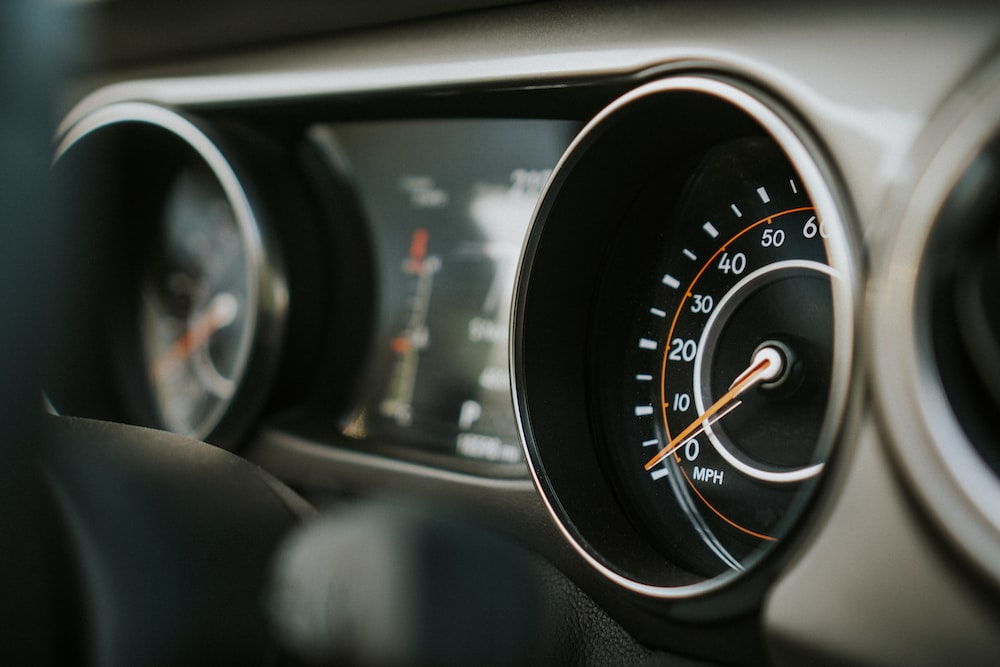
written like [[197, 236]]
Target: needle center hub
[[780, 358]]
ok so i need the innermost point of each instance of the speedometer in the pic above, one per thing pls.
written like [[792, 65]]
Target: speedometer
[[715, 405], [683, 336]]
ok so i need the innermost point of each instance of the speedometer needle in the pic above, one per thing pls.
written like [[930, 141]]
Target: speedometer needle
[[221, 312], [767, 364]]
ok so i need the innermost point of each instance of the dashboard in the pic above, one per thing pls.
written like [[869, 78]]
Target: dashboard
[[694, 302]]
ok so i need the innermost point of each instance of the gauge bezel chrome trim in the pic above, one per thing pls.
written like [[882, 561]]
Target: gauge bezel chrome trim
[[823, 186], [267, 291]]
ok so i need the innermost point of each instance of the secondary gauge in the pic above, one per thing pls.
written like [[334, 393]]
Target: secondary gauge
[[684, 331], [197, 312], [196, 294]]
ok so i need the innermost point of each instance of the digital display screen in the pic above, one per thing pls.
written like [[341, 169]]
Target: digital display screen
[[448, 204]]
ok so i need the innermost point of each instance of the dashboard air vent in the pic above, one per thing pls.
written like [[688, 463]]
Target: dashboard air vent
[[962, 267]]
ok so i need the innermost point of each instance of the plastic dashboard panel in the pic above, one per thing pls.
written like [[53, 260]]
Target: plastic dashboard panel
[[869, 577]]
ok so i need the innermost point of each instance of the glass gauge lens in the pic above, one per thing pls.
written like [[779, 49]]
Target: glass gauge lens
[[196, 315], [717, 402]]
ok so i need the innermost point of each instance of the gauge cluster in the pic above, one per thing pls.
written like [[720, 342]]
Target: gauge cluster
[[442, 210], [684, 308]]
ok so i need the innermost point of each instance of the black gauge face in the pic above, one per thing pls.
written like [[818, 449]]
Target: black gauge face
[[716, 391], [197, 312]]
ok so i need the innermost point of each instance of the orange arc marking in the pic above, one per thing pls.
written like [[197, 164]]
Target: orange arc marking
[[721, 515], [670, 335]]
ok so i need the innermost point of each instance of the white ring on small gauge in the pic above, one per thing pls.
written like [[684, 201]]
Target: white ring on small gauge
[[780, 477]]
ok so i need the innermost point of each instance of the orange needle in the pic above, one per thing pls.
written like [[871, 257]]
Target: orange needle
[[696, 432], [221, 312], [766, 365]]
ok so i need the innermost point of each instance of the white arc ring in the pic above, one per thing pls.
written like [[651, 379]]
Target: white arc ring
[[781, 477]]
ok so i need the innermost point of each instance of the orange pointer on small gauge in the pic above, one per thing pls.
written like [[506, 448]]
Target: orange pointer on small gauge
[[767, 365], [221, 312]]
